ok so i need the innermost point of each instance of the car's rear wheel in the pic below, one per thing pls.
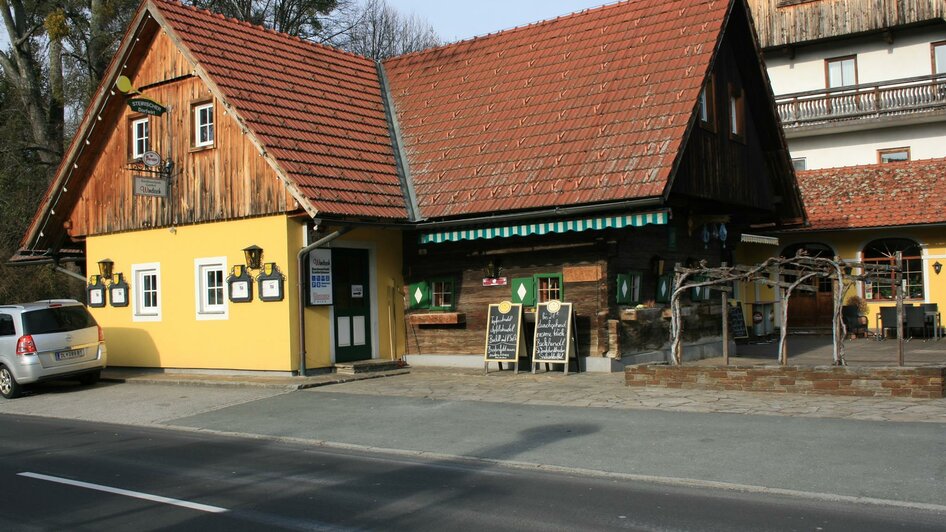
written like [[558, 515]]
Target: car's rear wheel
[[9, 388], [88, 379]]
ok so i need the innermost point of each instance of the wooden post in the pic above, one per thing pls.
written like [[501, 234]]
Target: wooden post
[[725, 328], [899, 291]]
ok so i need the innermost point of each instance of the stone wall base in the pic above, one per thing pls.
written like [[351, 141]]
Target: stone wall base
[[915, 382]]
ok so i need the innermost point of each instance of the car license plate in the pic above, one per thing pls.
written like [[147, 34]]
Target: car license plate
[[72, 353]]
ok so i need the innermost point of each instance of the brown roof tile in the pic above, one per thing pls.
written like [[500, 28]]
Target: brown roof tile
[[586, 108], [875, 195], [316, 109]]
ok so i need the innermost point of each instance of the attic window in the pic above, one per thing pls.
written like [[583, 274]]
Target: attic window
[[203, 125], [707, 105], [140, 137], [737, 119]]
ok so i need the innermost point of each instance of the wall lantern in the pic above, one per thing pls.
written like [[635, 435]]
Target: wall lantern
[[105, 268], [254, 256], [492, 269], [937, 267]]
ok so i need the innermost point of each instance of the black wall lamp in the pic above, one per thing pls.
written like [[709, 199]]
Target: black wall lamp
[[937, 267], [254, 256], [105, 268]]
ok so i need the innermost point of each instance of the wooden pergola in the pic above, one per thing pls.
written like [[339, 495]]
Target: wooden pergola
[[786, 275]]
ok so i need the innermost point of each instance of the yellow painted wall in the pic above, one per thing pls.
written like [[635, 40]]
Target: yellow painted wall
[[385, 248], [256, 336], [848, 244]]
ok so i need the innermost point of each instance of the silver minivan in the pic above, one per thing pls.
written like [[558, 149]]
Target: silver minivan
[[46, 340]]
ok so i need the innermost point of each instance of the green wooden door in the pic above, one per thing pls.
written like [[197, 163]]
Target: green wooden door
[[351, 294]]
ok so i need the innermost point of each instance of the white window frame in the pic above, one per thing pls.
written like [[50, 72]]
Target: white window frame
[[138, 271], [135, 138], [800, 161], [198, 125], [205, 310]]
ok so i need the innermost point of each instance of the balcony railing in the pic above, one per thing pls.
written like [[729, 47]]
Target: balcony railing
[[894, 97]]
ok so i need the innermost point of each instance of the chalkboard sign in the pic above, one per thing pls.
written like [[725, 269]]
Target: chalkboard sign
[[504, 340], [737, 321], [553, 334]]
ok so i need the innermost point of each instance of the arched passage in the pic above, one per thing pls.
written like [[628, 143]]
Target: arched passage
[[811, 309]]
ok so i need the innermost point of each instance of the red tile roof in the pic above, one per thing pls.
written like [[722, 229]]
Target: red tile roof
[[875, 195], [587, 108], [317, 110]]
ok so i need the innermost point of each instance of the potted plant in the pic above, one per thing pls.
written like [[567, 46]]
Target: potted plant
[[854, 314]]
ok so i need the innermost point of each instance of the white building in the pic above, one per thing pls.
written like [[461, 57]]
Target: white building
[[857, 81]]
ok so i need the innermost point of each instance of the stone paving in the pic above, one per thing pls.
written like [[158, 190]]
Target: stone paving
[[599, 390]]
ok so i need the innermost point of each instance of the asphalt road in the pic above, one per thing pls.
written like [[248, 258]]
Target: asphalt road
[[63, 474]]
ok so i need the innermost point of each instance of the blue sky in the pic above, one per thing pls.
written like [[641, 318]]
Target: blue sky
[[462, 19]]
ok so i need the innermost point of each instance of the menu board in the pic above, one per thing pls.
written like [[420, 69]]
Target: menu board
[[737, 321], [553, 333], [504, 340]]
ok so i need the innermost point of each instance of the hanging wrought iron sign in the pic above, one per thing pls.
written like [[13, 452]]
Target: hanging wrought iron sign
[[118, 291], [240, 285], [146, 106], [150, 186], [95, 292], [271, 282]]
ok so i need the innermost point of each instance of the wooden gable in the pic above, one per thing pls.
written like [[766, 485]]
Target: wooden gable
[[226, 181], [751, 171]]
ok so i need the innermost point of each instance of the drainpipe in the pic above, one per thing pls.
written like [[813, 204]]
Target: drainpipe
[[301, 265]]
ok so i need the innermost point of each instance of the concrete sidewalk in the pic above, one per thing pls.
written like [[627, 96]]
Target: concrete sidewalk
[[594, 390]]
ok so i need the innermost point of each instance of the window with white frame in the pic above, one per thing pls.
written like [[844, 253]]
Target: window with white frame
[[204, 125], [800, 163], [146, 291], [210, 288], [140, 137]]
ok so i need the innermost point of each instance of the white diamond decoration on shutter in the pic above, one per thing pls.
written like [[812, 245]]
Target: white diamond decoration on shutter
[[624, 289], [522, 291], [418, 295]]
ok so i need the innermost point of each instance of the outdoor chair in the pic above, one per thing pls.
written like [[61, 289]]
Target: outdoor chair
[[931, 311], [915, 319], [888, 320], [853, 321]]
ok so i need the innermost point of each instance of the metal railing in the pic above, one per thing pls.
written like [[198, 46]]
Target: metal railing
[[899, 96]]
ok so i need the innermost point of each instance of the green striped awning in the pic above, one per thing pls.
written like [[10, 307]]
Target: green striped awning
[[544, 228]]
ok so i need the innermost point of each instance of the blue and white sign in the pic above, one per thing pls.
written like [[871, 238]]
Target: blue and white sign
[[320, 277]]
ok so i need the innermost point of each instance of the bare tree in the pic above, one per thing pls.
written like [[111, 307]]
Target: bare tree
[[302, 18], [377, 30], [55, 45]]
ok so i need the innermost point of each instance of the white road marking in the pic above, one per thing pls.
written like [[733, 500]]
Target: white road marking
[[127, 493]]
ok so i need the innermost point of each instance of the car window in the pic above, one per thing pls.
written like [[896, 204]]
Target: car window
[[6, 325], [58, 319]]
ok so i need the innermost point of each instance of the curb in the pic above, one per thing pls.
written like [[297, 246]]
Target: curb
[[184, 380]]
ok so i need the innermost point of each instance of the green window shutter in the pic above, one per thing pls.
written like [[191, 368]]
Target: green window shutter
[[623, 294], [419, 295], [664, 288], [635, 281], [523, 291], [698, 293]]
